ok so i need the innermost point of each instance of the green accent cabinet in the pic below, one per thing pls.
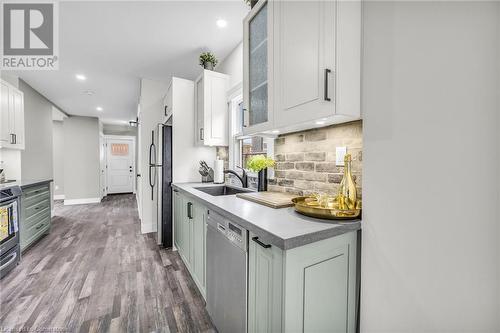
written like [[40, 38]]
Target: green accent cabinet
[[198, 245], [265, 280], [35, 214], [190, 236], [311, 288]]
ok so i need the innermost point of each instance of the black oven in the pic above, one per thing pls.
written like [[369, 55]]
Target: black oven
[[9, 228]]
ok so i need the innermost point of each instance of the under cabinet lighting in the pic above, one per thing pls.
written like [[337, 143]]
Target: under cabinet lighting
[[275, 131]]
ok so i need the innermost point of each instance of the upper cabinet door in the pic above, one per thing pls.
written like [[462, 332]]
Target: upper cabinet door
[[257, 68], [5, 134], [305, 61], [211, 109], [12, 117], [18, 117]]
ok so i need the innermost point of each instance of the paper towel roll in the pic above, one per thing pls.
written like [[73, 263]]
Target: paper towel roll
[[218, 171]]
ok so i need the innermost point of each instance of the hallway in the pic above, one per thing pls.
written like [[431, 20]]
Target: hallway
[[95, 273]]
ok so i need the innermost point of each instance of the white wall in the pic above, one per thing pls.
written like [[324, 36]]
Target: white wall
[[151, 106], [36, 158], [81, 159], [233, 66], [430, 248], [11, 163], [58, 158], [186, 154]]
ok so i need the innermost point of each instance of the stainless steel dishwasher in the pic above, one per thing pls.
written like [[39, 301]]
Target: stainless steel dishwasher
[[227, 245]]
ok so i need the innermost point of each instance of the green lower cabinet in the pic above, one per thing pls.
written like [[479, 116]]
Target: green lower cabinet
[[265, 282], [190, 236], [198, 245], [35, 214], [311, 288]]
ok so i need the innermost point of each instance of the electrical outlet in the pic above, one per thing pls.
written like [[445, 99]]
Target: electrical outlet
[[339, 155]]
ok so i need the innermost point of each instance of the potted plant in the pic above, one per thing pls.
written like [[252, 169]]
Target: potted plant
[[208, 60], [259, 164]]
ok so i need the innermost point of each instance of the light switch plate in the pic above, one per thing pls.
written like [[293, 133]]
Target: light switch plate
[[339, 155]]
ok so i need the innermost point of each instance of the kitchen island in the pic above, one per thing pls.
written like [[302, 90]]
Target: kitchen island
[[302, 272]]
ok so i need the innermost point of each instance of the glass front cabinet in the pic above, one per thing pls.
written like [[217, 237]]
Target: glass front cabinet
[[257, 69], [301, 65]]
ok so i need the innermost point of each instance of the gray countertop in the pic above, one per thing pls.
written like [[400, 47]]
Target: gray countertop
[[283, 227], [23, 183]]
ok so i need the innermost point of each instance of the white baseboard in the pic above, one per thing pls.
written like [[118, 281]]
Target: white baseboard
[[81, 201], [58, 196]]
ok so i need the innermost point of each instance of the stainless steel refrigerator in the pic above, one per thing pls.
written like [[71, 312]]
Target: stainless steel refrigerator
[[160, 181]]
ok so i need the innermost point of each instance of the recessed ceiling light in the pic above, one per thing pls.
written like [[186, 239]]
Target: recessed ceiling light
[[221, 23], [81, 77], [99, 108]]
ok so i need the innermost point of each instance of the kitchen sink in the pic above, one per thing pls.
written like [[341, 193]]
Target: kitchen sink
[[222, 190]]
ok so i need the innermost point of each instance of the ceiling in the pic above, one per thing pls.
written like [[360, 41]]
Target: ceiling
[[114, 44]]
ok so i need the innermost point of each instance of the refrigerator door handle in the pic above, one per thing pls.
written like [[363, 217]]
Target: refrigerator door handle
[[152, 153]]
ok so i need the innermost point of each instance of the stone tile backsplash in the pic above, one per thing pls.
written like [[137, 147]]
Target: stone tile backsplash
[[305, 161]]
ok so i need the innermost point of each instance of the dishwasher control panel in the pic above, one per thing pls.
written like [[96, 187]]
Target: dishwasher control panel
[[233, 232]]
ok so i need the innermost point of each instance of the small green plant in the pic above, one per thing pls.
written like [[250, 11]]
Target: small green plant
[[260, 162], [207, 57]]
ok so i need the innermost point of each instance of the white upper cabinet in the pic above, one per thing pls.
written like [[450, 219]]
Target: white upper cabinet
[[315, 61], [12, 117], [257, 68], [211, 109]]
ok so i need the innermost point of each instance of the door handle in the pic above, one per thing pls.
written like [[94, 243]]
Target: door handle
[[256, 240], [327, 72], [166, 108], [11, 260]]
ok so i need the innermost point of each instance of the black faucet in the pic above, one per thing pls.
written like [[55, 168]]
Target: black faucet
[[243, 178]]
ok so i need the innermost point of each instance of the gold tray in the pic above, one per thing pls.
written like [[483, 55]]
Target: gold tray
[[309, 206]]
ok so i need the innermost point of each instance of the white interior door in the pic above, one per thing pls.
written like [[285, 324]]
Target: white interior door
[[120, 165]]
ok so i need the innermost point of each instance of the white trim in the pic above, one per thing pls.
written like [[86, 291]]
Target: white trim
[[82, 201], [147, 228], [58, 196], [137, 199]]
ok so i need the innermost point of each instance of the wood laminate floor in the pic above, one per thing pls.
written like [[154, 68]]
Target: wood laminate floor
[[95, 272]]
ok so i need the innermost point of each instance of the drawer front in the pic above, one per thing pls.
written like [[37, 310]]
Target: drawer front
[[31, 200], [34, 232], [35, 219], [30, 210], [35, 190]]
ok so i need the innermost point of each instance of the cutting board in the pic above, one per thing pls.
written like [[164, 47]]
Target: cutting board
[[270, 199]]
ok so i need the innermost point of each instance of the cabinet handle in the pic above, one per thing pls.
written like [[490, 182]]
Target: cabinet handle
[[256, 240], [190, 210], [40, 226], [166, 108], [245, 118], [327, 72], [202, 134], [12, 139]]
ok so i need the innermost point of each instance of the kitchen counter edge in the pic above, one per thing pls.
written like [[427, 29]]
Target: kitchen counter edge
[[265, 235]]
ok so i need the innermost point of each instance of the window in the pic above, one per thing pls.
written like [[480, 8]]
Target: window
[[241, 148], [252, 146]]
